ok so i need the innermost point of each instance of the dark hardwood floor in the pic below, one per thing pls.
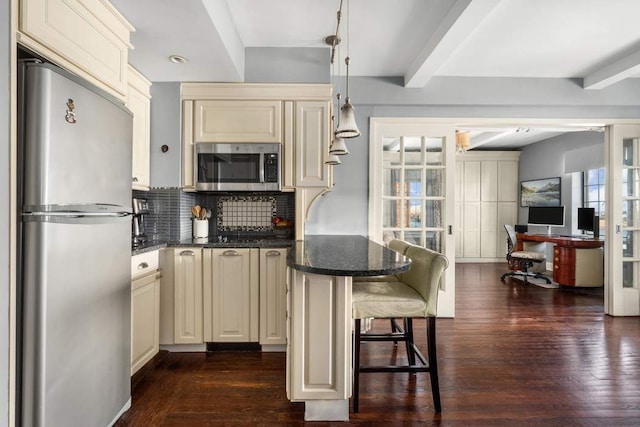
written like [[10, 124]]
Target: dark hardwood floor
[[515, 355]]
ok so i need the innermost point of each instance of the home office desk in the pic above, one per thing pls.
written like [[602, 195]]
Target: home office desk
[[577, 261]]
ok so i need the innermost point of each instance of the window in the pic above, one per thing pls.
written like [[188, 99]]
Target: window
[[594, 193]]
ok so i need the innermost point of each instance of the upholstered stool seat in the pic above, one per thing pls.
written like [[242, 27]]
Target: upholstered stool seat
[[413, 294]]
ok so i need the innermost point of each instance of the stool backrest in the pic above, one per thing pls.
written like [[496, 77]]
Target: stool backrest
[[425, 274], [399, 246]]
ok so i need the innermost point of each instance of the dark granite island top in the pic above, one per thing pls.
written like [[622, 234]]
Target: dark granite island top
[[345, 256]]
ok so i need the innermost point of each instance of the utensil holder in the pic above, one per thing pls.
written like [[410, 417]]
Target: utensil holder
[[200, 228]]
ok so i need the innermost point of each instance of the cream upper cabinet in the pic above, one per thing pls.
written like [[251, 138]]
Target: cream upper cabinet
[[273, 296], [311, 133], [139, 102], [296, 115], [87, 37], [187, 302], [231, 297], [238, 121]]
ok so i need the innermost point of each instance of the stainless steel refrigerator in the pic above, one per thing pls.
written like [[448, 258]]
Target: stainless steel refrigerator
[[75, 276]]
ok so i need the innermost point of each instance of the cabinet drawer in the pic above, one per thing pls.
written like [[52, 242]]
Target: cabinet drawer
[[143, 264]]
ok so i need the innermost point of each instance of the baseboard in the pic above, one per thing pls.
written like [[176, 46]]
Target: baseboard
[[233, 346], [483, 260], [183, 348]]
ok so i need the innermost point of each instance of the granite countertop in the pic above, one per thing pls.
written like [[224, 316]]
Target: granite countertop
[[345, 256], [212, 242]]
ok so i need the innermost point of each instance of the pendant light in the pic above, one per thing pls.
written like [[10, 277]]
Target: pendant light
[[463, 141], [347, 127], [338, 147]]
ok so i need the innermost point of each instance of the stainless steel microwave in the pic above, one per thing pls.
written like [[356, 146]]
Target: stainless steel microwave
[[237, 167]]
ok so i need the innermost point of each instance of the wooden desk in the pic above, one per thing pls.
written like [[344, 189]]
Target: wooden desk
[[577, 261]]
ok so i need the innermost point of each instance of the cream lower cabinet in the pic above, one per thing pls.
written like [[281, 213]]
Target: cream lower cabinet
[[273, 296], [145, 309], [186, 305], [231, 295]]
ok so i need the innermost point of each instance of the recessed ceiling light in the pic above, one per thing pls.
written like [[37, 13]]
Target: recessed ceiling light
[[177, 59]]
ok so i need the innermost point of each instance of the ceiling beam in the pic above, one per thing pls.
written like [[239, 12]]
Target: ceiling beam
[[614, 72], [224, 24], [461, 20], [483, 138]]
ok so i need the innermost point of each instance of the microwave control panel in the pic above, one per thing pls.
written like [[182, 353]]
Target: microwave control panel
[[271, 167]]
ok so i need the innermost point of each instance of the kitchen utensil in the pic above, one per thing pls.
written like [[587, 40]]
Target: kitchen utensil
[[203, 213], [208, 213], [196, 211]]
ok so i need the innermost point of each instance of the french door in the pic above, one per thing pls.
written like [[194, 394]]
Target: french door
[[622, 267], [411, 193]]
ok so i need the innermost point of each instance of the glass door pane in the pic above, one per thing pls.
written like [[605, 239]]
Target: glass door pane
[[413, 190], [630, 202]]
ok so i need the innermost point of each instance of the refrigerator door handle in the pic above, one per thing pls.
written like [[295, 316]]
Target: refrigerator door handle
[[68, 218], [95, 208]]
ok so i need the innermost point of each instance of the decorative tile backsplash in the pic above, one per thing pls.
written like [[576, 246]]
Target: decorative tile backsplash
[[245, 213]]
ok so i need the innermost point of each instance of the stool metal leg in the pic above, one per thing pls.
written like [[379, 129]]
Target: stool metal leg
[[408, 328], [433, 363], [356, 366]]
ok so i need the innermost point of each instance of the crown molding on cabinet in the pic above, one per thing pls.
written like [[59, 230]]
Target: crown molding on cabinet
[[260, 91]]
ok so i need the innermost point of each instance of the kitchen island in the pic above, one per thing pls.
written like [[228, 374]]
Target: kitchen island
[[319, 358]]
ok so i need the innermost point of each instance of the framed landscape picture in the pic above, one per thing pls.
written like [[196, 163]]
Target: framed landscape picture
[[540, 192]]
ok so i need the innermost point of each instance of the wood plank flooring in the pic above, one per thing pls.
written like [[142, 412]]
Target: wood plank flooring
[[515, 355]]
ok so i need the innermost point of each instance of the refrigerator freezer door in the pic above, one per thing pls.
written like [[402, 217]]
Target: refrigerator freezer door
[[76, 322], [77, 143]]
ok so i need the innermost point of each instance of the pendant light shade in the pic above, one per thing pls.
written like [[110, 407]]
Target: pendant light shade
[[347, 127], [463, 141], [338, 147], [332, 159]]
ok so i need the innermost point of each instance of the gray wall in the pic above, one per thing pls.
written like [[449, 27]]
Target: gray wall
[[166, 119], [546, 159], [5, 150]]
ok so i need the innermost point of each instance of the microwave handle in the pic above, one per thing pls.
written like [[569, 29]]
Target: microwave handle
[[261, 168]]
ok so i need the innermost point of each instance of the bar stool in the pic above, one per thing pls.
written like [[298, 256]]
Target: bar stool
[[413, 295]]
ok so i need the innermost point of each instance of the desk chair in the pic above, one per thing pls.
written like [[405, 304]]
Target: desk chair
[[522, 260], [413, 295]]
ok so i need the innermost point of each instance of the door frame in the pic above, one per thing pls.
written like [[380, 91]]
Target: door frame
[[612, 293]]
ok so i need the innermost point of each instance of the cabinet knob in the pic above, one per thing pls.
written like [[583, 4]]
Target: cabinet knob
[[134, 179], [187, 253], [230, 253], [143, 265], [273, 253]]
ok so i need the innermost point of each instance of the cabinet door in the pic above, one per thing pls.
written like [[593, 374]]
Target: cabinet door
[[188, 296], [471, 186], [139, 102], [238, 121], [312, 131], [508, 181], [489, 181], [88, 37], [488, 229], [145, 320], [234, 310], [471, 232], [273, 296]]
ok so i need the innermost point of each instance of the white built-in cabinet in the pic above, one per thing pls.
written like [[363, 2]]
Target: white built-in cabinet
[[312, 135], [231, 294], [273, 296], [139, 103], [90, 38], [145, 308], [486, 200]]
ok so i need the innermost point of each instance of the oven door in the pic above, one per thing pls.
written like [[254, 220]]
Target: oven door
[[232, 167]]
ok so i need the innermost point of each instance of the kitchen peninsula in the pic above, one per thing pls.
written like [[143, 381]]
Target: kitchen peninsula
[[321, 269]]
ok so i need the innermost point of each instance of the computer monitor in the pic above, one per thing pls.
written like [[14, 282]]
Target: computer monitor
[[548, 216], [586, 219]]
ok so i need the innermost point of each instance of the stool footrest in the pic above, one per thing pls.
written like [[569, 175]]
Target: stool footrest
[[408, 368]]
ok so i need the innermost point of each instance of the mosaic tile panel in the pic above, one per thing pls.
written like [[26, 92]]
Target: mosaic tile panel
[[245, 213]]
